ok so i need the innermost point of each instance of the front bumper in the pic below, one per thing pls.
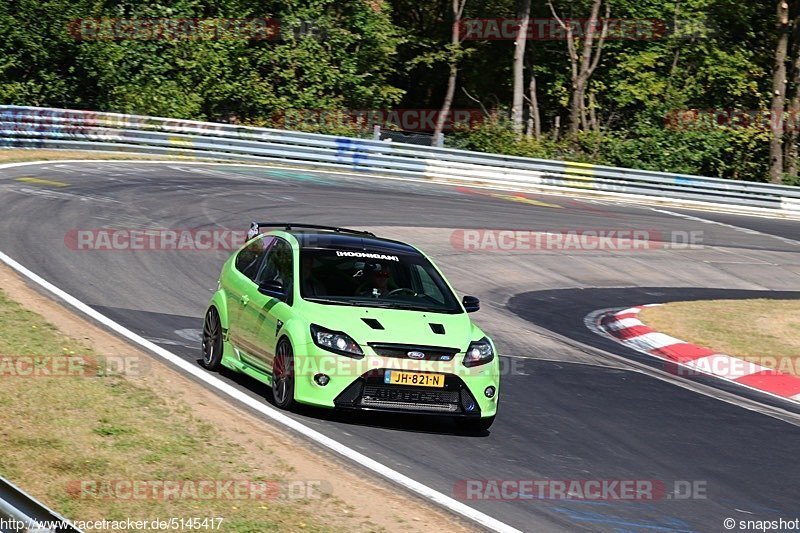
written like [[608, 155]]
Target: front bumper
[[370, 392], [358, 384]]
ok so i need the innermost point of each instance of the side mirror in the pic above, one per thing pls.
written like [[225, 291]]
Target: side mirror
[[273, 288], [471, 304]]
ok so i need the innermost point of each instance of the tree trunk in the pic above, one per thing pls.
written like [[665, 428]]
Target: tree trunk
[[583, 66], [675, 28], [448, 102], [534, 118], [520, 42], [455, 42], [576, 115], [779, 95], [794, 108]]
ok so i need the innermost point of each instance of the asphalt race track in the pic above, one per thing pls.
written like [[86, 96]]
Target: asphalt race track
[[570, 409]]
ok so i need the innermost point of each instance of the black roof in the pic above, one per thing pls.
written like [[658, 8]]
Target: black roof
[[342, 241], [288, 226]]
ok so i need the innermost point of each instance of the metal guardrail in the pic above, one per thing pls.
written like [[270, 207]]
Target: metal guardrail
[[36, 127], [21, 513]]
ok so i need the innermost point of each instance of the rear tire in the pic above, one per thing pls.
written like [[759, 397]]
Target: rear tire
[[475, 425], [212, 340], [283, 375]]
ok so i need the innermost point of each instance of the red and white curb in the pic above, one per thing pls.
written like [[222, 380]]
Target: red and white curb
[[689, 359]]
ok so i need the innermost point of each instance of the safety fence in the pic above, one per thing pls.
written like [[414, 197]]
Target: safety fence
[[36, 127]]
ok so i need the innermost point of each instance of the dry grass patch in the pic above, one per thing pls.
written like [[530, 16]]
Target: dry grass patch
[[766, 332], [17, 155], [58, 431]]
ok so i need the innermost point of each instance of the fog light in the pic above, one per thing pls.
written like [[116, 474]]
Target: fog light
[[321, 379], [489, 392]]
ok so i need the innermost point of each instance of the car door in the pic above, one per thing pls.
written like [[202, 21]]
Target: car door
[[264, 316], [240, 288]]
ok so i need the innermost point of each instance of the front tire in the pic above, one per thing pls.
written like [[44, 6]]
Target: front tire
[[283, 375], [212, 340]]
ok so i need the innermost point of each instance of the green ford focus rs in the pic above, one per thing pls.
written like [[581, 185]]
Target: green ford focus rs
[[340, 318]]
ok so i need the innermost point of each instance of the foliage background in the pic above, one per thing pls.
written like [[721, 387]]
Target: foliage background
[[381, 54]]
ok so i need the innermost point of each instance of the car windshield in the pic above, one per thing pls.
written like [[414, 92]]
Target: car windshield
[[374, 279]]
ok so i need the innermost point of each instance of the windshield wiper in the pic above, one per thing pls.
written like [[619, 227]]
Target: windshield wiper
[[373, 303], [382, 304], [327, 301], [412, 307], [388, 304]]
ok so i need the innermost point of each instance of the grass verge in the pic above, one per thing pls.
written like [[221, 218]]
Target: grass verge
[[766, 332], [57, 432], [16, 155]]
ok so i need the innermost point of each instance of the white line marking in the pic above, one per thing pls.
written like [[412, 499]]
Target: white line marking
[[170, 342], [730, 226], [190, 334], [266, 410]]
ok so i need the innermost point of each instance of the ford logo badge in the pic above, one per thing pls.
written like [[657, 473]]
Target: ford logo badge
[[416, 355]]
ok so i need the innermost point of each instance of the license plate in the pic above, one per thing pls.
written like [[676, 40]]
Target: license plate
[[394, 377]]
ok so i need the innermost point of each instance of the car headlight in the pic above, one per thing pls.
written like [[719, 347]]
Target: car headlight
[[335, 341], [479, 353]]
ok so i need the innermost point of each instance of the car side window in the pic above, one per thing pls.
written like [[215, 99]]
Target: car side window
[[251, 257], [278, 265], [429, 287]]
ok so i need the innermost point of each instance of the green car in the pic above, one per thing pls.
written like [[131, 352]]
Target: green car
[[340, 318]]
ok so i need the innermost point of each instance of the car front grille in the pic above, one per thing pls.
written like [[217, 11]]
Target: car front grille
[[409, 398], [409, 406], [403, 394], [371, 392], [431, 353]]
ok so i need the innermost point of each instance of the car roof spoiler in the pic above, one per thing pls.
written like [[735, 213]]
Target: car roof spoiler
[[255, 228]]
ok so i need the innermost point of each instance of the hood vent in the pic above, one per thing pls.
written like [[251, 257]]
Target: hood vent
[[373, 323], [437, 328]]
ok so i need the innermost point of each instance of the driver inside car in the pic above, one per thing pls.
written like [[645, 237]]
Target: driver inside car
[[378, 282]]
